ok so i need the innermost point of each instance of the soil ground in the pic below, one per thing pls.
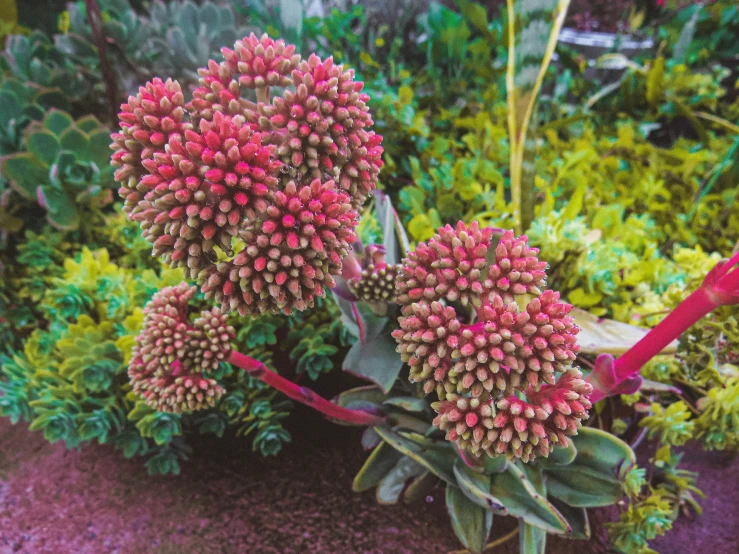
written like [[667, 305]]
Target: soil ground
[[230, 500]]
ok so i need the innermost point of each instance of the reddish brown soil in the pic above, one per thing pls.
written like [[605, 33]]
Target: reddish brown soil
[[228, 500]]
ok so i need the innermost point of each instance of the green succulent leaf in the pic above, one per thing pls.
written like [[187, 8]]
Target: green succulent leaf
[[57, 121], [471, 522], [577, 518], [366, 396], [378, 465], [75, 141], [437, 457], [522, 500], [532, 539], [24, 172], [61, 210], [44, 145], [375, 360], [476, 486], [594, 478], [408, 403], [391, 487]]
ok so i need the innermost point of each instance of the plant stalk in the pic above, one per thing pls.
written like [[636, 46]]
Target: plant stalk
[[304, 395], [111, 85], [693, 308]]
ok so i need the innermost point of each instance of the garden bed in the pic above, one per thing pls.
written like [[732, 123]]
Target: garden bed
[[228, 499]]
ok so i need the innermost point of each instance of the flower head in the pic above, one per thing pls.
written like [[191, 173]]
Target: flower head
[[291, 255], [472, 330], [206, 183], [148, 121], [467, 421], [449, 266], [323, 128], [261, 62], [172, 357]]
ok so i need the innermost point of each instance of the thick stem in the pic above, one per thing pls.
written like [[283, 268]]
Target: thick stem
[[304, 395], [111, 85], [675, 324]]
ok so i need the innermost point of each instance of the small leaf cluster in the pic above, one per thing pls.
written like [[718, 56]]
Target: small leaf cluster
[[68, 378]]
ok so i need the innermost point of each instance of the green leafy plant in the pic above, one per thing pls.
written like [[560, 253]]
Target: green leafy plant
[[65, 165]]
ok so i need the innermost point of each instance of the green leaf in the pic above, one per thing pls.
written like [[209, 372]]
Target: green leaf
[[471, 523], [532, 539], [595, 476], [76, 141], [44, 145], [369, 394], [420, 488], [476, 486], [408, 403], [560, 455], [475, 14], [57, 121], [576, 517], [375, 360], [437, 457], [392, 485], [24, 172], [61, 210], [522, 500], [99, 150], [378, 465], [656, 83]]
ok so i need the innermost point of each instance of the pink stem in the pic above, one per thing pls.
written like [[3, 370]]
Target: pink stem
[[304, 395], [693, 308]]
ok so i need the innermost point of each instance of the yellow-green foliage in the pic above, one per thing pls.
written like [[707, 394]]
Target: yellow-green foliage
[[71, 382]]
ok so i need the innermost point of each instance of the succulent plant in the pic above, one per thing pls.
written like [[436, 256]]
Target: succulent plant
[[20, 104], [189, 34], [64, 167], [35, 59]]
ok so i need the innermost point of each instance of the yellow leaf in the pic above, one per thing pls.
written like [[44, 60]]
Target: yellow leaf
[[405, 95], [9, 12]]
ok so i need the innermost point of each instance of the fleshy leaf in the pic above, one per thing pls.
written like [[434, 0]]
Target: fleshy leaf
[[44, 145], [476, 486], [392, 485], [24, 172], [522, 500], [607, 336], [375, 360], [532, 539], [437, 457], [377, 466], [576, 517], [471, 523]]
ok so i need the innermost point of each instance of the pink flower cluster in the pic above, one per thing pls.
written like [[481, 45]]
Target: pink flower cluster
[[478, 328], [257, 197], [173, 357]]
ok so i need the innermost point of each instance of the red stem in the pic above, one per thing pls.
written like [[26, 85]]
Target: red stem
[[304, 395], [111, 87], [693, 308]]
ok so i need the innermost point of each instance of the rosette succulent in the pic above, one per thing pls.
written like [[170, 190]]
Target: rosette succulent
[[477, 327], [256, 196], [65, 166]]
